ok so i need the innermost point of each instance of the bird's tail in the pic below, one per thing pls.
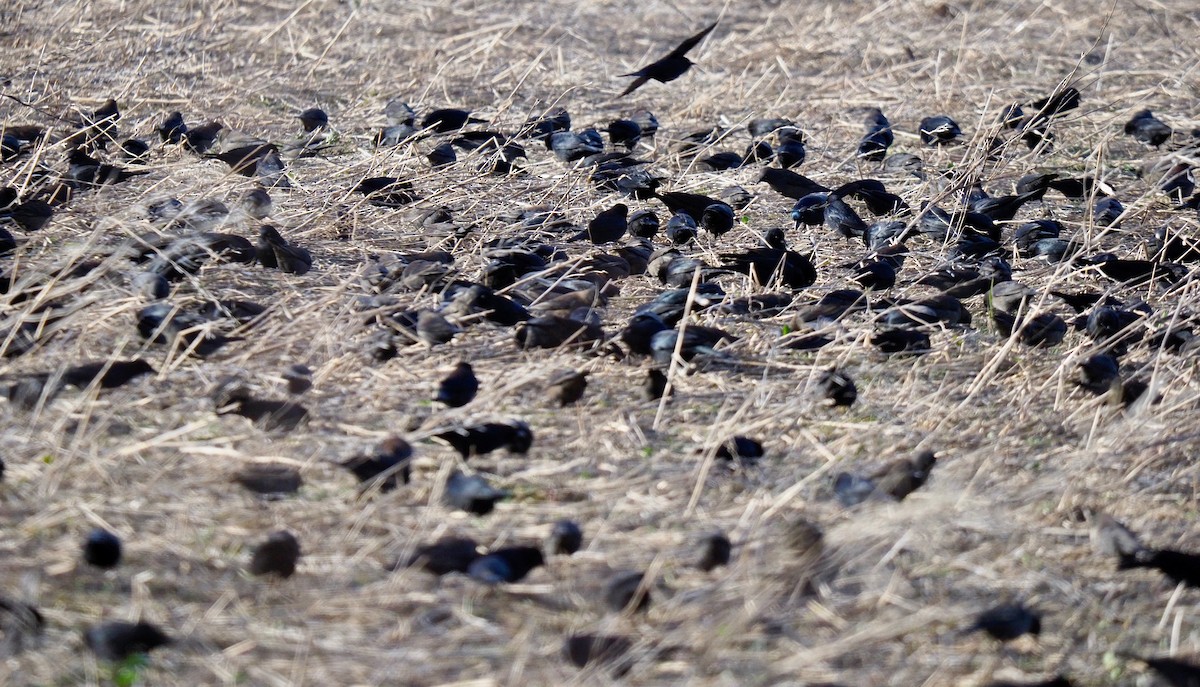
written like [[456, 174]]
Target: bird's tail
[[637, 83]]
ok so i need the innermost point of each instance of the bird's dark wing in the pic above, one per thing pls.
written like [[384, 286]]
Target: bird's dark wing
[[692, 42], [638, 82]]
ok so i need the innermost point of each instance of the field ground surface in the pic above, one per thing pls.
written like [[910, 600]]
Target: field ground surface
[[1025, 456]]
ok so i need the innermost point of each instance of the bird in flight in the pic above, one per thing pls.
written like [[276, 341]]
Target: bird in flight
[[670, 67]]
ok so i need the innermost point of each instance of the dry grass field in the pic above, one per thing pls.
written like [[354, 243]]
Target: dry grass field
[[1024, 454]]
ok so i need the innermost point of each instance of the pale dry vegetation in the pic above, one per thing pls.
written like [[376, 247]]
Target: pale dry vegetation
[[1024, 454]]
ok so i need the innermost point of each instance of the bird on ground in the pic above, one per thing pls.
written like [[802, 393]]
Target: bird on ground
[[102, 549], [459, 387], [116, 640], [386, 465], [276, 555], [668, 68], [1007, 622], [1147, 129], [566, 538], [717, 550]]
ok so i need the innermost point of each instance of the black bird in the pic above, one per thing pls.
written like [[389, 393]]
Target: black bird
[[697, 341], [201, 139], [107, 375], [164, 323], [624, 591], [387, 465], [669, 68], [717, 552], [1044, 330], [566, 538], [387, 192], [790, 184], [471, 493], [608, 226], [939, 130], [566, 387], [245, 159], [607, 650], [30, 215], [446, 555], [1174, 672], [172, 129], [135, 150], [312, 119], [693, 204], [569, 146], [298, 378], [720, 162], [624, 132], [1178, 566], [878, 137], [115, 640], [1007, 622], [742, 449], [655, 385], [763, 264], [841, 218], [763, 126], [1098, 373], [681, 229], [894, 340], [448, 120], [480, 439], [837, 387], [459, 387], [874, 194], [1147, 129], [274, 252], [98, 129], [442, 155], [717, 219], [643, 224], [875, 275], [1058, 681], [507, 565], [102, 549], [276, 555], [230, 398], [553, 331], [269, 479], [790, 152], [1053, 105]]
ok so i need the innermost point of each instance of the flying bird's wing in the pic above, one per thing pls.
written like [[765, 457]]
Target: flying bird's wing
[[692, 42], [634, 86]]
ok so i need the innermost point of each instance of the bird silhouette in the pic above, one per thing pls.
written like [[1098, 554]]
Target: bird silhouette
[[276, 555], [669, 68]]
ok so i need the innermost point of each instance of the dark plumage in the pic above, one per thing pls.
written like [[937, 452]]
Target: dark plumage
[[276, 555], [102, 549], [313, 118], [1007, 622], [388, 464], [606, 650], [717, 550], [939, 130], [485, 438], [765, 264], [790, 184], [1178, 566], [107, 374], [447, 555], [507, 565], [608, 226], [274, 252], [269, 479], [624, 591], [458, 388], [1147, 129], [471, 493], [837, 387], [172, 129], [554, 331], [669, 68], [1174, 672], [878, 137], [115, 640], [565, 538], [448, 120]]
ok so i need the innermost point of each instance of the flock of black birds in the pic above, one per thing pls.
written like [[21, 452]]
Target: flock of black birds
[[537, 281]]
